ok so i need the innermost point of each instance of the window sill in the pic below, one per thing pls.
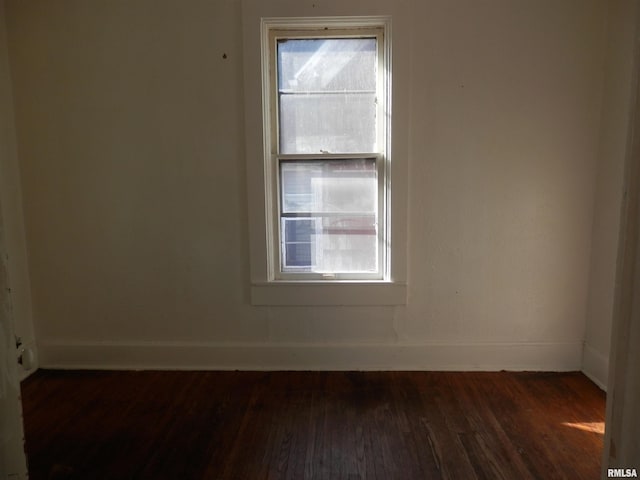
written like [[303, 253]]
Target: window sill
[[348, 293]]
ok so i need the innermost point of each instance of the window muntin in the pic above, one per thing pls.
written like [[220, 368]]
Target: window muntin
[[328, 131]]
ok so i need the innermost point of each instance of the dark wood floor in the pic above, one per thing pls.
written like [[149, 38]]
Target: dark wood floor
[[304, 425]]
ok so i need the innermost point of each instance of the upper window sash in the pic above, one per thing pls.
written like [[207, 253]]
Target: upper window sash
[[273, 92]]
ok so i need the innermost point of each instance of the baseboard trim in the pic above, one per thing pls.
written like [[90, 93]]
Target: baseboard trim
[[241, 356], [595, 365]]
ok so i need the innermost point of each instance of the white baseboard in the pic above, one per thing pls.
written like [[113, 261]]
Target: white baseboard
[[595, 365], [239, 356]]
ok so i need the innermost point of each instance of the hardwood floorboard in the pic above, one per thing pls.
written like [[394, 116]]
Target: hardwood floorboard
[[312, 425]]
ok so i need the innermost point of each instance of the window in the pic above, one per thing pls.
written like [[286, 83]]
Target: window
[[326, 131], [326, 160]]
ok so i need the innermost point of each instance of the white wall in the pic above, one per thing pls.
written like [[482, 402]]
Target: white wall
[[505, 120], [622, 433], [11, 201], [12, 458], [608, 200], [130, 133]]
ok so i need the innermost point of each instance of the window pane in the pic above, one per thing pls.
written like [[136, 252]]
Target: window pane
[[328, 216], [327, 64], [329, 186], [327, 95], [298, 234], [331, 122]]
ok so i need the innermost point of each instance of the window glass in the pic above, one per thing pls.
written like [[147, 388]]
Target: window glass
[[327, 95], [329, 219]]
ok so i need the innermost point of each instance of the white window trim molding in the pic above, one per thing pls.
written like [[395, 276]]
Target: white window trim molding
[[272, 29], [265, 290]]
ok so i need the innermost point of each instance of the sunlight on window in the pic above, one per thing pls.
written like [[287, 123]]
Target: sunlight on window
[[327, 95], [328, 215], [594, 427], [328, 154]]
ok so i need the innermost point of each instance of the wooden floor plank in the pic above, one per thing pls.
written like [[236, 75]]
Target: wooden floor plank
[[312, 425]]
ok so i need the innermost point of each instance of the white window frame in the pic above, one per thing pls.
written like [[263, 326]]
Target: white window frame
[[278, 29], [265, 288]]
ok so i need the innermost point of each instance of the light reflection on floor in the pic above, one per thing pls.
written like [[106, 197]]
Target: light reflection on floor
[[595, 427]]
